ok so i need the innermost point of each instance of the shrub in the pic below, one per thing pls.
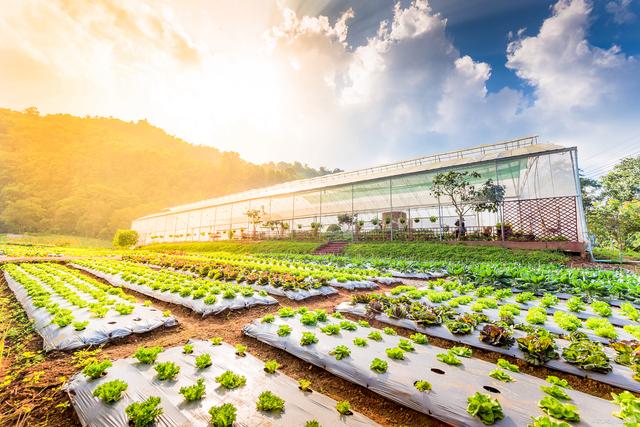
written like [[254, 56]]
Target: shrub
[[308, 338], [111, 391], [230, 380], [223, 415], [125, 238], [167, 370], [344, 407], [203, 361], [284, 330], [484, 407], [422, 385], [147, 355], [193, 392], [143, 414], [340, 352], [269, 402], [271, 366], [95, 370], [378, 365]]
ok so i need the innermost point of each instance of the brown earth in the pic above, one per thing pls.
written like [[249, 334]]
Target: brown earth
[[45, 404]]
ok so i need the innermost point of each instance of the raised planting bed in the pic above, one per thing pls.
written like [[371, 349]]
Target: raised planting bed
[[468, 330], [200, 295], [70, 310], [226, 379], [416, 375]]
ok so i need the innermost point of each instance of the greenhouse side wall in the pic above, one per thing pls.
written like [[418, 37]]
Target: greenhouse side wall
[[541, 205]]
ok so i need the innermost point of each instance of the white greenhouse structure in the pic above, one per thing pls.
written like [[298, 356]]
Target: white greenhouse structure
[[393, 202]]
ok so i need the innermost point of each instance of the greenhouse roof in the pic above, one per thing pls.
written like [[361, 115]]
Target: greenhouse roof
[[482, 153]]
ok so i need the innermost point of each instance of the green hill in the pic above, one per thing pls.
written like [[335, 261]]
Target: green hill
[[89, 176]]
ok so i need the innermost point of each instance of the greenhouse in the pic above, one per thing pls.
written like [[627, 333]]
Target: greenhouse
[[542, 202]]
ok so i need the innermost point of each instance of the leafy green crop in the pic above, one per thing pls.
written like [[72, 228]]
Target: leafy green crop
[[495, 335], [271, 366], [378, 365], [216, 340], [309, 318], [389, 331], [360, 342], [556, 392], [284, 330], [344, 408], [147, 355], [286, 312], [304, 384], [525, 297], [602, 308], [448, 358], [575, 304], [629, 407], [419, 338], [395, 353], [193, 392], [568, 322], [504, 364], [364, 323], [80, 326], [501, 375], [203, 361], [548, 300], [143, 414], [269, 402], [536, 316], [461, 351], [241, 350], [422, 385], [348, 326], [269, 318], [484, 407], [187, 349], [223, 415], [340, 352], [587, 354], [562, 411], [308, 338], [167, 370], [375, 335], [406, 345], [312, 423], [230, 380], [560, 382], [331, 329], [538, 347], [96, 369], [111, 391], [545, 421]]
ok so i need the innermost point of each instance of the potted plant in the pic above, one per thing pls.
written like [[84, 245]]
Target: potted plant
[[433, 219]]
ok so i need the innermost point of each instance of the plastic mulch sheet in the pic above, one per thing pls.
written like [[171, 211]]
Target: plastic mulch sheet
[[197, 305], [620, 376], [98, 331], [298, 294], [451, 385], [299, 408], [353, 284]]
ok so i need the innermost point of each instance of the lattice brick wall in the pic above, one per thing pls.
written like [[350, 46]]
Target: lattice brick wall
[[544, 218]]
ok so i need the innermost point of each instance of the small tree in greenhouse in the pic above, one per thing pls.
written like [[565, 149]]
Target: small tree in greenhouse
[[464, 197], [255, 218], [125, 238]]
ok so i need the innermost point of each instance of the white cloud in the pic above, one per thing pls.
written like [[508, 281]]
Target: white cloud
[[621, 11]]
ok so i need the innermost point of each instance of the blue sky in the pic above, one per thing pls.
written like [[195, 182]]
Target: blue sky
[[343, 84]]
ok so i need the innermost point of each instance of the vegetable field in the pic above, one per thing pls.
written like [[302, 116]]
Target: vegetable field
[[298, 339]]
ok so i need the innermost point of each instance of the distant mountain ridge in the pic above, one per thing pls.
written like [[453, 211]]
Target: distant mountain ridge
[[88, 176]]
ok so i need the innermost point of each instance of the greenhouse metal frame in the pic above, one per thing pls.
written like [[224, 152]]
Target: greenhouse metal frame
[[394, 202]]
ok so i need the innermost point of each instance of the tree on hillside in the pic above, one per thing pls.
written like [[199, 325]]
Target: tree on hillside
[[591, 193], [464, 196], [125, 238], [617, 222], [623, 182]]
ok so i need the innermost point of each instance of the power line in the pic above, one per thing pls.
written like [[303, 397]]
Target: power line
[[591, 173]]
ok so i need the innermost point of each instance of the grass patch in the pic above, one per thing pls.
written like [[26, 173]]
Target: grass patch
[[428, 251], [55, 240]]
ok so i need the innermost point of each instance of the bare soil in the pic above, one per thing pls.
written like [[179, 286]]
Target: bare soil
[[45, 404]]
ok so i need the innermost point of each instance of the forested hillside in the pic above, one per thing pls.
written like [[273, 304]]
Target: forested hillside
[[89, 176]]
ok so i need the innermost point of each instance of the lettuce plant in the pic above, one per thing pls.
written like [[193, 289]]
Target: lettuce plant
[[395, 353], [567, 321], [230, 380], [448, 358], [304, 384], [216, 340], [241, 350], [312, 423], [538, 347], [223, 415], [147, 355], [110, 392], [587, 354], [556, 392], [501, 375], [484, 407], [348, 326], [321, 315], [378, 365], [562, 411], [193, 392], [309, 318], [203, 361], [80, 326], [286, 312], [308, 338], [422, 385], [389, 331], [344, 408], [629, 407], [364, 323], [269, 402], [461, 351], [284, 330], [545, 421], [495, 335], [167, 370], [95, 370], [331, 329], [536, 316], [575, 304], [143, 414], [269, 318], [419, 338], [602, 308], [525, 297], [548, 300], [187, 349], [271, 366], [504, 364], [406, 345], [560, 382], [375, 335], [340, 352], [124, 308], [360, 342]]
